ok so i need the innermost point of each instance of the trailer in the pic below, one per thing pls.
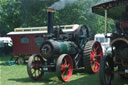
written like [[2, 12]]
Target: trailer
[[26, 41]]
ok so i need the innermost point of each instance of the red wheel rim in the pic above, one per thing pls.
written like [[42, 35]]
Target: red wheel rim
[[36, 70], [66, 68], [96, 56]]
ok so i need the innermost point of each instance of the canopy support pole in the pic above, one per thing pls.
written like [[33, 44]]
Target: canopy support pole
[[105, 22]]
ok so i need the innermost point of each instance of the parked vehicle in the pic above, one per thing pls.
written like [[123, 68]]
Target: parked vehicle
[[5, 45], [105, 42], [64, 51], [26, 41], [5, 40]]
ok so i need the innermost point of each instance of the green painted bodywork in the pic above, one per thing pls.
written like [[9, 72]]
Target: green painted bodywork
[[64, 47]]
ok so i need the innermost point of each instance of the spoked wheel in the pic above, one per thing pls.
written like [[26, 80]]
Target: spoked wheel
[[106, 70], [20, 60], [34, 69], [92, 55], [64, 67]]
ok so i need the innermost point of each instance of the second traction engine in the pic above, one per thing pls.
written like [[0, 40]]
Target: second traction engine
[[116, 59]]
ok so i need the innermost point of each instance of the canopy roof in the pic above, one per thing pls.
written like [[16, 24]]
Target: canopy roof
[[115, 8]]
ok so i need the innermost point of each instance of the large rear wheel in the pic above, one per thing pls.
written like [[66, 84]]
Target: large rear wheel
[[92, 55], [34, 69], [64, 67]]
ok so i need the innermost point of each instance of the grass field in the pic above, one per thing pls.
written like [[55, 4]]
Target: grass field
[[17, 75]]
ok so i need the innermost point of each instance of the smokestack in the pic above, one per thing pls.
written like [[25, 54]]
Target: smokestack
[[50, 20]]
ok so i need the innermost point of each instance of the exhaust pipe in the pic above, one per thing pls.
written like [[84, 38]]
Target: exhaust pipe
[[50, 20]]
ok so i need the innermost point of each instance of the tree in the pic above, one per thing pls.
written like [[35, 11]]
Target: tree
[[32, 13], [9, 12]]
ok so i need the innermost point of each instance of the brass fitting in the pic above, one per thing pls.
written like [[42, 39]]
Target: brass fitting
[[50, 10]]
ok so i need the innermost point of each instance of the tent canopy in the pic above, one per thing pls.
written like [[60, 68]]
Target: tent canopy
[[115, 9]]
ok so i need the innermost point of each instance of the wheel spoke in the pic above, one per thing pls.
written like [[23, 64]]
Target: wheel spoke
[[92, 56], [63, 67], [63, 73], [34, 73], [96, 66], [92, 52], [99, 54], [96, 46], [69, 65], [96, 49]]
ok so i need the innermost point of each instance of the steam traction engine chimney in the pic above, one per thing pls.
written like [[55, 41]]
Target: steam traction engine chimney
[[50, 20]]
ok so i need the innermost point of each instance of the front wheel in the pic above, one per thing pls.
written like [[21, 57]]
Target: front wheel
[[34, 69], [106, 70], [64, 67]]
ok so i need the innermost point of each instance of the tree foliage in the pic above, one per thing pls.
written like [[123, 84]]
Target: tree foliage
[[32, 13]]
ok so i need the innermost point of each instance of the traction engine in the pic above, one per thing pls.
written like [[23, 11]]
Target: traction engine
[[116, 60], [64, 51]]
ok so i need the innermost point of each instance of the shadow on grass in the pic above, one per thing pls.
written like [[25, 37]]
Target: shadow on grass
[[50, 78], [78, 78], [94, 80], [28, 80], [51, 81], [21, 80], [47, 77], [85, 80]]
